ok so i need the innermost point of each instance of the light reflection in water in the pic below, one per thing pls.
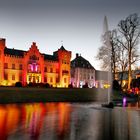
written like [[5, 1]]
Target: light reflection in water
[[65, 121]]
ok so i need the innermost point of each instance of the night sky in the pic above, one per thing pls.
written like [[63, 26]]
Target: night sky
[[78, 23]]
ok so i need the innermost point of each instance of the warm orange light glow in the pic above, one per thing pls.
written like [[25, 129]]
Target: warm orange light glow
[[4, 83], [9, 118], [106, 85], [31, 117], [3, 116], [64, 117], [12, 117], [29, 66]]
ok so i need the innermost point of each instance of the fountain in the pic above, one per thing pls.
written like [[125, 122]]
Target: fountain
[[107, 43]]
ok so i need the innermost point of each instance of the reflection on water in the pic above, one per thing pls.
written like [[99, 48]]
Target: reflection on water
[[65, 121]]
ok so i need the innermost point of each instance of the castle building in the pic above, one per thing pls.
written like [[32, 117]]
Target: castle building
[[33, 66], [82, 72]]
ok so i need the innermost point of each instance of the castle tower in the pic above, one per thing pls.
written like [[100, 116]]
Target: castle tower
[[2, 46], [64, 57]]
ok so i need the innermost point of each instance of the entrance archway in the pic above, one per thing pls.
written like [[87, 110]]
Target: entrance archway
[[33, 78]]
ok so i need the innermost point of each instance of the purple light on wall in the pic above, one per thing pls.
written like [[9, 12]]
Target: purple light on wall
[[36, 68], [124, 101], [31, 67]]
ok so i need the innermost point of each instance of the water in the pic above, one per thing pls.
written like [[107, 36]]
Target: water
[[69, 121]]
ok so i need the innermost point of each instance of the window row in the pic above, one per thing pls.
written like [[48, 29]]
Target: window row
[[51, 70], [13, 77], [13, 66], [86, 76], [65, 62], [51, 80], [33, 67]]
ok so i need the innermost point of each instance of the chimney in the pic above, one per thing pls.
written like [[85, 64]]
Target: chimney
[[77, 55]]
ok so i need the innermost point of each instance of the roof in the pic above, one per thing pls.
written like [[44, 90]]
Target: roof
[[20, 53], [81, 62], [62, 48], [14, 52], [50, 57]]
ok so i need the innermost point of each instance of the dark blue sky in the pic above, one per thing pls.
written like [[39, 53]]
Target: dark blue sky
[[79, 23]]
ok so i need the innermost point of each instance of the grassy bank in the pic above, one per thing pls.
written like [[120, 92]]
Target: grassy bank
[[21, 95]]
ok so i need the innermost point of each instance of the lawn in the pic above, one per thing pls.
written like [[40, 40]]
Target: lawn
[[28, 94], [21, 95]]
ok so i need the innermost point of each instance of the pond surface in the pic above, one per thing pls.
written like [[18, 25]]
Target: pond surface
[[69, 121]]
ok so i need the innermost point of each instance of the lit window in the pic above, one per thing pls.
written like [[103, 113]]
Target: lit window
[[45, 69], [45, 79], [36, 68], [5, 76], [57, 70], [30, 78], [20, 66], [51, 70], [51, 79], [13, 66], [6, 65], [65, 80], [20, 77], [13, 77], [57, 80]]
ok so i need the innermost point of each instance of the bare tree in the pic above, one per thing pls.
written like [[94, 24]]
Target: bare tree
[[129, 29], [122, 63], [107, 52]]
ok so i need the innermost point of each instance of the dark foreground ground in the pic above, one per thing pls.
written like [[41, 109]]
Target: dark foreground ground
[[25, 95]]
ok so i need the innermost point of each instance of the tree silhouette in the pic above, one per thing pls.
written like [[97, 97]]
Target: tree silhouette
[[129, 29]]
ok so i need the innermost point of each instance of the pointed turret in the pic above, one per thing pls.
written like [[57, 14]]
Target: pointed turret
[[62, 48]]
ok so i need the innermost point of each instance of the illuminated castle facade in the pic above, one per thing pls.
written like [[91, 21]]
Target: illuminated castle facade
[[33, 66]]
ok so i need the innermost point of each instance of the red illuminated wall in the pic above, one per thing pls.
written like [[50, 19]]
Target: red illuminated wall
[[34, 67]]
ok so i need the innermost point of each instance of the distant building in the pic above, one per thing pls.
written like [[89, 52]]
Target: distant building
[[33, 66], [124, 76], [82, 72]]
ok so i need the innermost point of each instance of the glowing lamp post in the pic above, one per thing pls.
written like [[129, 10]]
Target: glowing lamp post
[[124, 101]]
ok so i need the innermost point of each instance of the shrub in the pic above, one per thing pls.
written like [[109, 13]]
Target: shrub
[[30, 84], [116, 85], [70, 86], [86, 85], [47, 85], [18, 84], [39, 85]]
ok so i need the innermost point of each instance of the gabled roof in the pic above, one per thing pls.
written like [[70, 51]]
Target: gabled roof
[[50, 57], [81, 62], [14, 52], [62, 48], [20, 53]]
